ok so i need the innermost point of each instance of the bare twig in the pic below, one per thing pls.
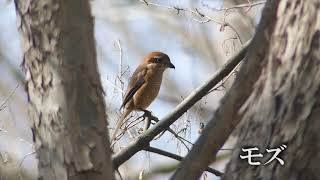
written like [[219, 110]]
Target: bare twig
[[236, 32], [178, 9], [178, 158], [120, 74], [144, 140], [115, 86], [196, 12], [248, 5], [233, 73], [5, 102], [128, 125], [134, 123], [120, 56], [149, 117], [24, 157], [180, 138]]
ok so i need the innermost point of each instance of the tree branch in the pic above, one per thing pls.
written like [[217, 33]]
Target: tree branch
[[178, 158], [227, 116], [196, 12], [144, 140], [239, 6]]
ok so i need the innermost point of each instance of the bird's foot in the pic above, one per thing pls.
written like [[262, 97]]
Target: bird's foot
[[146, 113], [148, 118]]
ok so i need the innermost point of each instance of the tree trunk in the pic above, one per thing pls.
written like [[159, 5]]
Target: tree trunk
[[66, 106], [284, 108], [227, 116]]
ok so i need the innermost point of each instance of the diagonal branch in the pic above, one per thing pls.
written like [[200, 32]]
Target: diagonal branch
[[228, 115], [144, 140], [178, 158]]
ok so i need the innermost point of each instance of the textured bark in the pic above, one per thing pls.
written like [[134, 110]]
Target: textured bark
[[66, 106], [227, 116], [285, 105]]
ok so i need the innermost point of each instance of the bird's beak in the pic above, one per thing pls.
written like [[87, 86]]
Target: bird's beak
[[170, 65]]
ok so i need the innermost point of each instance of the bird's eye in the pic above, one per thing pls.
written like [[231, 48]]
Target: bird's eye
[[156, 59]]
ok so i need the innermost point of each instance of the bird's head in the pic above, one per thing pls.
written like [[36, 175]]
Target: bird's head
[[158, 60]]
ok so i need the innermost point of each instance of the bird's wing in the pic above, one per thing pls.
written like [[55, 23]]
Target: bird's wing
[[136, 81]]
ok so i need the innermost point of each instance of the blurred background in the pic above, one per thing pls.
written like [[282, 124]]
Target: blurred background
[[125, 31]]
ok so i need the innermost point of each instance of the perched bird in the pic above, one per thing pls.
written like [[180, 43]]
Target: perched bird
[[144, 85]]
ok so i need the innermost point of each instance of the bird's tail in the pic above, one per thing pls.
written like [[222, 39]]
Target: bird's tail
[[119, 123]]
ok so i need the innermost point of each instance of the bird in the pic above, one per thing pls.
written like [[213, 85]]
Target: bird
[[143, 86]]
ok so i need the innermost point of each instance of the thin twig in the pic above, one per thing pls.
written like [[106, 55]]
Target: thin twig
[[129, 125], [113, 85], [4, 103], [223, 81], [120, 74], [24, 157], [248, 5], [197, 13], [181, 139], [147, 114]]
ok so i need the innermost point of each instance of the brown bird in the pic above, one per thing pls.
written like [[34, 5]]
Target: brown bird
[[144, 85]]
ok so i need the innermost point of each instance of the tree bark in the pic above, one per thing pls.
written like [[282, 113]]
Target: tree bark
[[284, 108], [66, 106], [227, 116]]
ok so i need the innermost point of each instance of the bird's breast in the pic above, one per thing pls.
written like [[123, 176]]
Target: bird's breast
[[149, 91]]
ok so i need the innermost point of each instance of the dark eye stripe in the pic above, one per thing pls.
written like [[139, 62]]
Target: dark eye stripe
[[155, 60]]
